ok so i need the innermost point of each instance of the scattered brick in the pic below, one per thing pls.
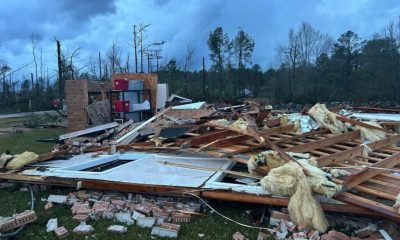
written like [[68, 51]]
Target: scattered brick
[[81, 217], [61, 232], [180, 217], [335, 235], [8, 224], [143, 209]]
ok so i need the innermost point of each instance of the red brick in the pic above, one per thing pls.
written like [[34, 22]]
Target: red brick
[[81, 217], [119, 203], [279, 215], [180, 217], [61, 232], [143, 209], [335, 235]]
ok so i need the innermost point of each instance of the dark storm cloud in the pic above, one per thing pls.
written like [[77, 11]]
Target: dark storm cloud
[[21, 19], [94, 25]]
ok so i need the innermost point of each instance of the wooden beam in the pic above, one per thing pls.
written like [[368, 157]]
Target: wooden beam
[[138, 188], [128, 137], [368, 173], [286, 128], [355, 152], [206, 138], [225, 142], [324, 142], [277, 201], [304, 135], [359, 123], [386, 211], [87, 131]]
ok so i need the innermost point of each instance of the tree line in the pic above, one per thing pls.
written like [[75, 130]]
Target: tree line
[[311, 67]]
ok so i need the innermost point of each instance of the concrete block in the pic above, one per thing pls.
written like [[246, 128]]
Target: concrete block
[[117, 229], [124, 217], [57, 199], [51, 225], [166, 230], [83, 229], [136, 215], [146, 222]]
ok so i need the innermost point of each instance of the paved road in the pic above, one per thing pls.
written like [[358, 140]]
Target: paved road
[[24, 114]]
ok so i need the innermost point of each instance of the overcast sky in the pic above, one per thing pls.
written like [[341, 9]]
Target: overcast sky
[[92, 25]]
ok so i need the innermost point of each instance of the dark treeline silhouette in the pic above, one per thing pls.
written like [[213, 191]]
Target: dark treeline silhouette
[[312, 67]]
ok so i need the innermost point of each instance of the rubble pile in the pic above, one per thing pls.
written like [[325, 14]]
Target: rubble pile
[[160, 214], [313, 162]]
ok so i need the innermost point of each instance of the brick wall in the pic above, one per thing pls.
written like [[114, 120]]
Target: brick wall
[[77, 100]]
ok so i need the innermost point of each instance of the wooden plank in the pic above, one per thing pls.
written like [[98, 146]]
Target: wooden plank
[[87, 131], [268, 200], [225, 142], [357, 151], [368, 173], [206, 138], [301, 136], [286, 128], [359, 123], [138, 188], [128, 137], [324, 142], [386, 211]]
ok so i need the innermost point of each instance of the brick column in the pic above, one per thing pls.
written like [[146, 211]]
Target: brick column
[[77, 99]]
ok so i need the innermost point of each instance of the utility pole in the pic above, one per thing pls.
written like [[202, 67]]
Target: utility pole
[[148, 63], [135, 46], [32, 82], [99, 66], [60, 72], [204, 81]]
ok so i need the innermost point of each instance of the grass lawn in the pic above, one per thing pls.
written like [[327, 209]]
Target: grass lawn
[[12, 200], [26, 141]]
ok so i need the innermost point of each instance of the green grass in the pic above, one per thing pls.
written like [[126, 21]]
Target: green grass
[[8, 122], [27, 140], [212, 225]]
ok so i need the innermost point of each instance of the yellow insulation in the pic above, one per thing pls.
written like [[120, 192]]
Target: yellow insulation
[[327, 119], [20, 160]]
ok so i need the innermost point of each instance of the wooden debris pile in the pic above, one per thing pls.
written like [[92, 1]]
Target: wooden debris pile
[[363, 171]]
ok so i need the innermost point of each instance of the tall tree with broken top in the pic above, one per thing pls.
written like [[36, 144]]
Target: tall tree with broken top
[[218, 44]]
